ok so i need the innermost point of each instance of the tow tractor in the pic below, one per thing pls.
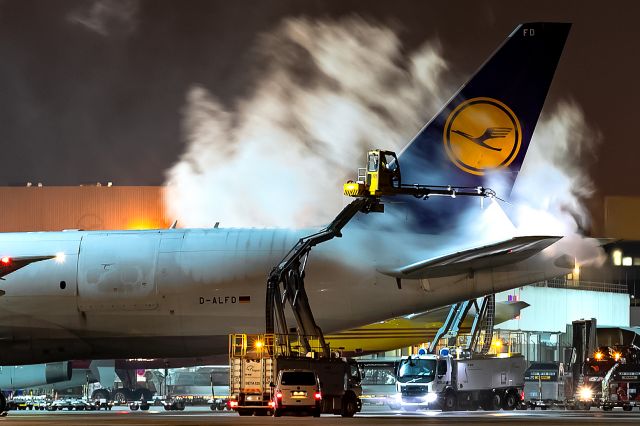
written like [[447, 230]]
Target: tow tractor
[[285, 286]]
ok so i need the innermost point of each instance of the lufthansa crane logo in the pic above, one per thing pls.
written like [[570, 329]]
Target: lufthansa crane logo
[[482, 134]]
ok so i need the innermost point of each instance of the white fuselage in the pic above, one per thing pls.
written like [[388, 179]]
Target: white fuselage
[[180, 292]]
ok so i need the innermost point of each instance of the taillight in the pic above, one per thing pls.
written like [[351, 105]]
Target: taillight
[[5, 260], [233, 404], [522, 395], [318, 395], [279, 395], [272, 404]]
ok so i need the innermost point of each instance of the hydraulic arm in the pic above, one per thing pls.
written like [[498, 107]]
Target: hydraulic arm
[[285, 283]]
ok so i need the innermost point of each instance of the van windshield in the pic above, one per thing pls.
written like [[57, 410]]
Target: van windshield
[[415, 370], [298, 378]]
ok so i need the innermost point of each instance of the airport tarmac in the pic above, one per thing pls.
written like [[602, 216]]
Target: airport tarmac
[[369, 416]]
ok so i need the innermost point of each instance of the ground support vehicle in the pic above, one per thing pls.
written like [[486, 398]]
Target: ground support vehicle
[[256, 360], [103, 404], [142, 405], [621, 387], [450, 383], [544, 385], [379, 381], [219, 404], [297, 391], [174, 404]]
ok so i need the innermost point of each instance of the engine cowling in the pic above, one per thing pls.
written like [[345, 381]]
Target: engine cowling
[[24, 376]]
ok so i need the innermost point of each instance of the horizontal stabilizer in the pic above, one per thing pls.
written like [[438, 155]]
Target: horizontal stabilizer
[[503, 253], [505, 311], [12, 264]]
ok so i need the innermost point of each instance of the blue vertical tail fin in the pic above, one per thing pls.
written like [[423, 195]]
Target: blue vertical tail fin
[[486, 127]]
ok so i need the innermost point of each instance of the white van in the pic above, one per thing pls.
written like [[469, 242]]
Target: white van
[[297, 390]]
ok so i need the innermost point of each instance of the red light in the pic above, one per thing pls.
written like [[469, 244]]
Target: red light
[[272, 404], [233, 404], [522, 395], [5, 260], [279, 395], [318, 395]]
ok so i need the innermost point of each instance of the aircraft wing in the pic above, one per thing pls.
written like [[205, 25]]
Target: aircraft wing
[[490, 256], [12, 264]]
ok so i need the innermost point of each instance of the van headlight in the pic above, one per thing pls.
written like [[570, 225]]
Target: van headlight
[[585, 393], [431, 397]]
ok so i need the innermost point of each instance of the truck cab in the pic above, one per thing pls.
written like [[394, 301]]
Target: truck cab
[[419, 380]]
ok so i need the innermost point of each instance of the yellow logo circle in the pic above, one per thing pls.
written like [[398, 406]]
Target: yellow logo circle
[[482, 134]]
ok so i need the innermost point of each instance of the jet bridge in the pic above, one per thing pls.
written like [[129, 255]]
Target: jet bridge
[[285, 283]]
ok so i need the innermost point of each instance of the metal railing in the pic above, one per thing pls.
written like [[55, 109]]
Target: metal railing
[[601, 286]]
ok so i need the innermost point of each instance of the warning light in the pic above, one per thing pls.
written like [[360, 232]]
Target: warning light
[[5, 260], [279, 395], [318, 395], [258, 344], [60, 257], [617, 355], [497, 343], [598, 356]]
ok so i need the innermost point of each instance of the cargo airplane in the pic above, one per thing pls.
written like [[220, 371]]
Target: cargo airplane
[[180, 292]]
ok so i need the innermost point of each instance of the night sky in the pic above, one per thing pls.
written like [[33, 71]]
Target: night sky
[[82, 103]]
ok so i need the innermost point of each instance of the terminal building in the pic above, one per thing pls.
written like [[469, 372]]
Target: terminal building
[[541, 332]]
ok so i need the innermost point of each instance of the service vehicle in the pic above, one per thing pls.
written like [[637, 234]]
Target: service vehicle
[[257, 359], [544, 385], [174, 404], [379, 381], [298, 391], [465, 381], [103, 403], [589, 384], [20, 402], [219, 404], [621, 387]]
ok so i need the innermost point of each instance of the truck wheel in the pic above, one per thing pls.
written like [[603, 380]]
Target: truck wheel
[[510, 401], [101, 394], [492, 403], [607, 408], [276, 413], [121, 396], [349, 406], [627, 407], [450, 402]]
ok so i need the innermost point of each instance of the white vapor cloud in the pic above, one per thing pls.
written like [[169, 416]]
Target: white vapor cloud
[[107, 17], [328, 92]]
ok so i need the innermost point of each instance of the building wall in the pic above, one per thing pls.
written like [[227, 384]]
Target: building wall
[[635, 316], [53, 208], [553, 308], [621, 217]]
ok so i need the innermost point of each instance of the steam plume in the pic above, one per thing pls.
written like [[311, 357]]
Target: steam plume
[[328, 92], [107, 17]]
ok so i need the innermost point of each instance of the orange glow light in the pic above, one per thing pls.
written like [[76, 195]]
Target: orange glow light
[[142, 224], [598, 355]]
